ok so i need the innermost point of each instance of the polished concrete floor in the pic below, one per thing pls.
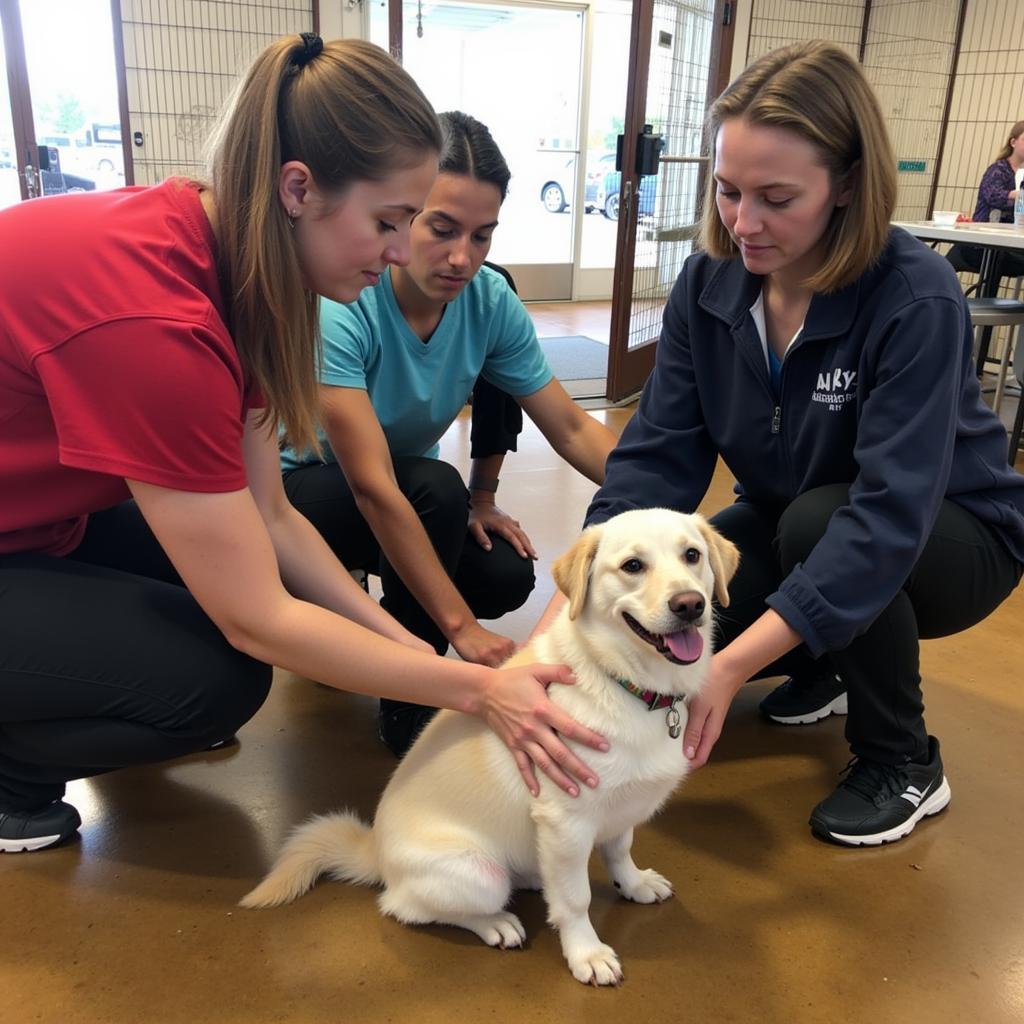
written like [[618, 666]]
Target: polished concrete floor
[[137, 921]]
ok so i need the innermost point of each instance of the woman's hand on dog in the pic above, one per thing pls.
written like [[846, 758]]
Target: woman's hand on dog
[[707, 712], [765, 641], [518, 709]]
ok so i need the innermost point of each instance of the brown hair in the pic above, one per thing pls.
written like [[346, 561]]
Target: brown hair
[[818, 91], [1015, 133], [350, 113]]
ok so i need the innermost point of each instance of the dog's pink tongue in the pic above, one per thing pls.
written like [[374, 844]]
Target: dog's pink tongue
[[686, 645]]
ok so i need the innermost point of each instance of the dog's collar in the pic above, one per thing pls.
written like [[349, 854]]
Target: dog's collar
[[655, 702]]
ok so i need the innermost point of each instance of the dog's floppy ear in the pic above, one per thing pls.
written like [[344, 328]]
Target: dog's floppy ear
[[571, 572], [725, 558]]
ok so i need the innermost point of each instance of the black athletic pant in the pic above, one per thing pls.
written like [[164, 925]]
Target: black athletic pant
[[491, 582], [967, 258], [106, 660], [963, 574]]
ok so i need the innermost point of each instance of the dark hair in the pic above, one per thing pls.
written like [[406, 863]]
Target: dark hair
[[350, 113], [469, 148]]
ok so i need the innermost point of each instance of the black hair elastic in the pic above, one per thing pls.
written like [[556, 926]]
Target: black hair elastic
[[312, 44]]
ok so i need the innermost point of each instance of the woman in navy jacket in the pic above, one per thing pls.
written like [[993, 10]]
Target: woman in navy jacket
[[827, 359]]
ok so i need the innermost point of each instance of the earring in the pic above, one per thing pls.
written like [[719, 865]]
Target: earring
[[292, 216]]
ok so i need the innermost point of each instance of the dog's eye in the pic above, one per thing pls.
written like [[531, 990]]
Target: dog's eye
[[692, 556], [632, 566]]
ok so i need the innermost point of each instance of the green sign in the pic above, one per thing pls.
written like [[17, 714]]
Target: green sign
[[911, 166]]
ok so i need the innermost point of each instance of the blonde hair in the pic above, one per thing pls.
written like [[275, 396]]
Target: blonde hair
[[1015, 133], [350, 113], [817, 91]]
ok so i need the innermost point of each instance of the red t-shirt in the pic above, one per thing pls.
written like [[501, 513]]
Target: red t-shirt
[[115, 361]]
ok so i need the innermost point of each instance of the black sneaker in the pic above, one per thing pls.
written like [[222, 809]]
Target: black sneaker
[[805, 700], [228, 741], [22, 831], [398, 724], [880, 803]]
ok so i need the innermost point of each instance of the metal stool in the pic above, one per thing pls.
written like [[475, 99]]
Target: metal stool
[[996, 312]]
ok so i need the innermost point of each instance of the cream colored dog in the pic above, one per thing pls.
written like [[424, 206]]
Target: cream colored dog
[[456, 830]]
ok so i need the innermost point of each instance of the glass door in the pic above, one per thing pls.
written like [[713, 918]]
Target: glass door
[[677, 47], [609, 63], [59, 61], [518, 69]]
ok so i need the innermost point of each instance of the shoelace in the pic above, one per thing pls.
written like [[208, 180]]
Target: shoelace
[[870, 779]]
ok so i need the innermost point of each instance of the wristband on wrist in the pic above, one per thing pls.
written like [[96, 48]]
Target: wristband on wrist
[[483, 484]]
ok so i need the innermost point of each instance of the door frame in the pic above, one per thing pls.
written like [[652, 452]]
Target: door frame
[[628, 369], [22, 121]]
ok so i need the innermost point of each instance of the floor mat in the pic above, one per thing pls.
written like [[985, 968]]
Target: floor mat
[[580, 363]]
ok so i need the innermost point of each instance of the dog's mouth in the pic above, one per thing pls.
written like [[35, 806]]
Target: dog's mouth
[[682, 648]]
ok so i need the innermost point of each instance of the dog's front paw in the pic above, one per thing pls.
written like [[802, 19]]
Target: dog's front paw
[[596, 966], [645, 887], [503, 929]]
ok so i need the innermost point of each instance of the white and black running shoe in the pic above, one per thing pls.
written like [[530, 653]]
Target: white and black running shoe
[[801, 701], [24, 831], [881, 803]]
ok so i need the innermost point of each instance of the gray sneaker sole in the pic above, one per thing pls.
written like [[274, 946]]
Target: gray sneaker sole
[[834, 707]]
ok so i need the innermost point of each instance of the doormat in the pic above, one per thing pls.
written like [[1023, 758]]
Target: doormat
[[580, 363]]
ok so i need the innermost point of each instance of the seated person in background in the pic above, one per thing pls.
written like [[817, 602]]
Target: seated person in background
[[996, 193], [398, 366]]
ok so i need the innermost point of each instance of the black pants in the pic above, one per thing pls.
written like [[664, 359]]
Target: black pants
[[106, 660], [967, 258], [963, 574], [491, 582]]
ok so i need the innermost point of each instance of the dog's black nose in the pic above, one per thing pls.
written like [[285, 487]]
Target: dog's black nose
[[688, 606]]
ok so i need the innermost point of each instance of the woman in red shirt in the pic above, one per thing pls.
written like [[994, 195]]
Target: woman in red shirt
[[151, 567]]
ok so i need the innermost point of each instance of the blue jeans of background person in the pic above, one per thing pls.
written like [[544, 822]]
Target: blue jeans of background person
[[962, 575], [491, 582], [106, 661]]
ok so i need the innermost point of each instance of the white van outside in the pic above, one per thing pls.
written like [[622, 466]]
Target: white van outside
[[94, 152]]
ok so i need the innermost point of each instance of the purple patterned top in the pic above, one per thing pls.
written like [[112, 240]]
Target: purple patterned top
[[994, 192]]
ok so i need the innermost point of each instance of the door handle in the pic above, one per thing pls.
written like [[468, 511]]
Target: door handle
[[32, 183]]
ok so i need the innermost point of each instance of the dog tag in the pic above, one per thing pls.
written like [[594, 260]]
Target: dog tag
[[672, 721]]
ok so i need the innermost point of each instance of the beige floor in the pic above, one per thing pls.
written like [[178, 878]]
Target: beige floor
[[553, 319], [137, 922]]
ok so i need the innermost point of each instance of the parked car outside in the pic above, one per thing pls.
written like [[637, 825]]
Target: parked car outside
[[597, 171], [556, 192], [94, 151], [74, 183], [57, 183], [606, 195]]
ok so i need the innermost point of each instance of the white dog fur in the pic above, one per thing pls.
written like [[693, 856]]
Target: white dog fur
[[456, 830]]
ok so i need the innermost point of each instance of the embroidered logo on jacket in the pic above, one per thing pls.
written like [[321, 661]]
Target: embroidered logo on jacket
[[835, 388]]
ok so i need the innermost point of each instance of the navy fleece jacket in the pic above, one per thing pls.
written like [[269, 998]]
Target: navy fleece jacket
[[878, 392]]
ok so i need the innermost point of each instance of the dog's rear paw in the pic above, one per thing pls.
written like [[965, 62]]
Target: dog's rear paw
[[502, 929], [647, 887], [597, 966]]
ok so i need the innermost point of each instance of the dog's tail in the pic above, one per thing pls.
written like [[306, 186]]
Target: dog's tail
[[337, 843]]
